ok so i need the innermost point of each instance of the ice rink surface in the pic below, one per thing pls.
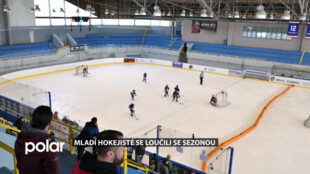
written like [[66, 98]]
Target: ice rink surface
[[279, 145]]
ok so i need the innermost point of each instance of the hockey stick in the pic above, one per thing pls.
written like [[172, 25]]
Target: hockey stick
[[136, 117]]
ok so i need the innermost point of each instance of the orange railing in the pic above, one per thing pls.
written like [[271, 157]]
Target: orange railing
[[251, 128]]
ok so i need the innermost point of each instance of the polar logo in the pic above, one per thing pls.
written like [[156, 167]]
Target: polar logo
[[41, 147]]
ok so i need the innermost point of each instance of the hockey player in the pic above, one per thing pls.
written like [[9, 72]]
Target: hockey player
[[175, 96], [85, 70], [201, 77], [133, 94], [144, 77], [131, 108], [166, 90], [177, 89], [213, 101]]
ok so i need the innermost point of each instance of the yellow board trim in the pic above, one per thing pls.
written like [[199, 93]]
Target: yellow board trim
[[119, 63]]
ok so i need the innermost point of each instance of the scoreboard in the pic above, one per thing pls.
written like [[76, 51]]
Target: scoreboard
[[80, 19]]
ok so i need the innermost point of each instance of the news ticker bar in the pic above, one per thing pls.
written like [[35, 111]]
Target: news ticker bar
[[169, 142]]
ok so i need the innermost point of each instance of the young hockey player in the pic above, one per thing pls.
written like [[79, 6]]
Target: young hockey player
[[133, 94], [177, 89], [213, 101], [144, 77], [175, 96], [131, 108], [166, 90], [85, 71]]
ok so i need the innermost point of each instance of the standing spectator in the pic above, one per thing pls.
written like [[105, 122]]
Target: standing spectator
[[185, 47], [129, 152], [140, 153], [163, 168], [153, 161], [55, 116], [152, 165], [19, 122], [65, 119], [201, 77], [169, 163], [107, 159], [144, 77], [89, 131], [37, 132]]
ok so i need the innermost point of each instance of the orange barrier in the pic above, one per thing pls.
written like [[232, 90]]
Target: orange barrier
[[251, 128]]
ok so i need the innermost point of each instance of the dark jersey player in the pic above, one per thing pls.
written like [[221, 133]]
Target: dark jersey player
[[144, 77], [213, 101], [175, 96], [131, 108], [85, 71], [166, 90], [177, 89], [133, 94]]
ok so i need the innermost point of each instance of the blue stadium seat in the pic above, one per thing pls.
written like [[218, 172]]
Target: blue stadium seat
[[26, 50], [164, 42]]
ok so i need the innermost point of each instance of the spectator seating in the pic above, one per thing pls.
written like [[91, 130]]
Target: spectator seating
[[158, 41], [164, 42], [283, 56], [104, 40], [26, 50]]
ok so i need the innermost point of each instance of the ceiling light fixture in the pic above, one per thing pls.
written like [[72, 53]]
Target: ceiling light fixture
[[6, 8], [183, 13], [203, 13], [260, 14], [286, 15]]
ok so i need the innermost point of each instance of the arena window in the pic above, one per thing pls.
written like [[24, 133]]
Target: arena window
[[264, 32]]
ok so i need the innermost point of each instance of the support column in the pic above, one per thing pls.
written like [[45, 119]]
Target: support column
[[7, 25], [230, 32], [172, 29], [303, 40]]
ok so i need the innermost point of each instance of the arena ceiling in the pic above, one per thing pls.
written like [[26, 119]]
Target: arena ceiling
[[220, 8]]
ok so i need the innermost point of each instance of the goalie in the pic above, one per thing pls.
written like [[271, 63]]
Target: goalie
[[85, 70], [213, 100]]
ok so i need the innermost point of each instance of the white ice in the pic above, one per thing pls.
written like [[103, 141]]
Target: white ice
[[279, 145]]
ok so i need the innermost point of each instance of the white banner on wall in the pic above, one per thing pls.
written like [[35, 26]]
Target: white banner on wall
[[60, 127], [289, 81], [141, 60]]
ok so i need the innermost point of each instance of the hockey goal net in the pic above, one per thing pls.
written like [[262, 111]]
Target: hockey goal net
[[79, 69], [222, 99]]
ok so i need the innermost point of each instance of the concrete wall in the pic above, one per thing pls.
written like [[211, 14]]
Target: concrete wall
[[21, 15], [216, 38], [233, 33], [237, 39], [63, 55]]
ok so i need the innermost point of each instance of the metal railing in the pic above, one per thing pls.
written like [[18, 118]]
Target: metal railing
[[11, 151], [127, 162]]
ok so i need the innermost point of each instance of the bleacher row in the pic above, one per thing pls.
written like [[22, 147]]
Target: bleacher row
[[163, 41], [25, 50], [159, 41]]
